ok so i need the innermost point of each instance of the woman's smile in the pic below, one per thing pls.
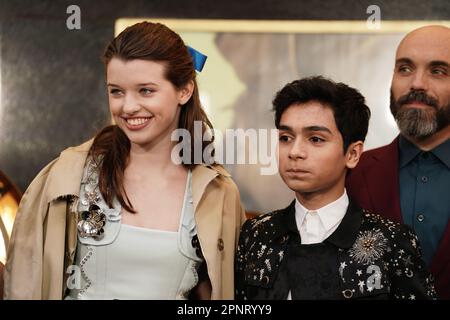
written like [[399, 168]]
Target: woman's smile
[[137, 123]]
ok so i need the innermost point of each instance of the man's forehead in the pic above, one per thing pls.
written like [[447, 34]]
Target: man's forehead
[[432, 43], [416, 55]]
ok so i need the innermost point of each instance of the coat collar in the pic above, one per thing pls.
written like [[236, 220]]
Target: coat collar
[[388, 153], [202, 175], [65, 176], [343, 237]]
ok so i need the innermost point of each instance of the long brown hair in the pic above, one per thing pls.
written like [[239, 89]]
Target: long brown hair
[[111, 147]]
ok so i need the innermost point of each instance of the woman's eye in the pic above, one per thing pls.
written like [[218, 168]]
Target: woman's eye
[[146, 91], [115, 91]]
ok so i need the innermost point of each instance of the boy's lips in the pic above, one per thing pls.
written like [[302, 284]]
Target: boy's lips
[[297, 170]]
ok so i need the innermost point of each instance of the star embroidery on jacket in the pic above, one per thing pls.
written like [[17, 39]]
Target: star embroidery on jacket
[[407, 261], [361, 285], [261, 252]]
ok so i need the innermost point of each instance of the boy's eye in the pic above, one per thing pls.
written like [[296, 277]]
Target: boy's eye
[[283, 138], [316, 139]]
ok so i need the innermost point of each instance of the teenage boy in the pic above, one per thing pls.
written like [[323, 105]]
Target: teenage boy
[[323, 246]]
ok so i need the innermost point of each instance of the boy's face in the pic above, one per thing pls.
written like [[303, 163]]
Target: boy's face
[[311, 156]]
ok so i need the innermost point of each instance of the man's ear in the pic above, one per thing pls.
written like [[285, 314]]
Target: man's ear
[[185, 93], [353, 154]]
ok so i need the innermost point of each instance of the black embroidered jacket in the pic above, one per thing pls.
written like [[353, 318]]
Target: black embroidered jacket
[[366, 257]]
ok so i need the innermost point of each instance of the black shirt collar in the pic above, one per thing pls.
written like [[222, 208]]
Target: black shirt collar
[[442, 152], [408, 151]]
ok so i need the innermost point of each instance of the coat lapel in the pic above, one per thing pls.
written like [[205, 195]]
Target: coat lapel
[[381, 178], [66, 174], [209, 220]]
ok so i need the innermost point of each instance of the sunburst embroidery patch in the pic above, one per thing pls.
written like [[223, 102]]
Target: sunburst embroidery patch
[[368, 247]]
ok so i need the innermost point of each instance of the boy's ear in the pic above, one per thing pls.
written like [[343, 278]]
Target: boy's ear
[[185, 93], [353, 154]]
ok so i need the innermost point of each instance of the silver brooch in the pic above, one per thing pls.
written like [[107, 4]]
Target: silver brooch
[[368, 247], [92, 222]]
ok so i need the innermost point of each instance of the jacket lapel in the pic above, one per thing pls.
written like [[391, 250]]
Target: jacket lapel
[[381, 177], [66, 174], [209, 220]]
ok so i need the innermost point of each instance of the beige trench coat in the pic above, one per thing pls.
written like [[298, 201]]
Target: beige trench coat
[[44, 237]]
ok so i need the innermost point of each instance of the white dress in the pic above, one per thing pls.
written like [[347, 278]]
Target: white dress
[[129, 262]]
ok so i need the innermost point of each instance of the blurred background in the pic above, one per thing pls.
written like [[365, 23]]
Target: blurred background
[[53, 95]]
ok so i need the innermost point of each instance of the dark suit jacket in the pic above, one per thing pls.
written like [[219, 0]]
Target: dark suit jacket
[[364, 249], [374, 185]]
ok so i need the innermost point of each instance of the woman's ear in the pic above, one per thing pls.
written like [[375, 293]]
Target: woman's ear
[[185, 93], [353, 154]]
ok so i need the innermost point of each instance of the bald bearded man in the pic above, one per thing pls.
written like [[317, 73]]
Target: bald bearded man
[[409, 180]]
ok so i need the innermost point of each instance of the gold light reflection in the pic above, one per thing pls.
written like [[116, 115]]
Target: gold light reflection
[[9, 202], [281, 26]]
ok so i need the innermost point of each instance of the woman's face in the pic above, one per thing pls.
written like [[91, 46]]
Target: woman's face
[[143, 103]]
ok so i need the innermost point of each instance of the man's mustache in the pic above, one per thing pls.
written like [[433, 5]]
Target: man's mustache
[[418, 96]]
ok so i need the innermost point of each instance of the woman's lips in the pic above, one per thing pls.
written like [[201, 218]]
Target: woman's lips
[[137, 123]]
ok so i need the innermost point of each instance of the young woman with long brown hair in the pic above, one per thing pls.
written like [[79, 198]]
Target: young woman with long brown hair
[[118, 217]]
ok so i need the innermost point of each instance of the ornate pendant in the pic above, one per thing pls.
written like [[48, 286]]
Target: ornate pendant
[[91, 223]]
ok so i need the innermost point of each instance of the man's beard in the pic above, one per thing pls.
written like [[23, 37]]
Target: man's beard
[[419, 123]]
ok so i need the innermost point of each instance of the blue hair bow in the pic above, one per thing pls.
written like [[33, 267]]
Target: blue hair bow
[[198, 58]]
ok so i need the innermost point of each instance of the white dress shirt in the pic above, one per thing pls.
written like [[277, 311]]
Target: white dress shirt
[[317, 225]]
